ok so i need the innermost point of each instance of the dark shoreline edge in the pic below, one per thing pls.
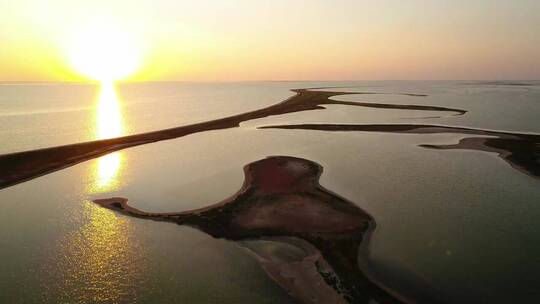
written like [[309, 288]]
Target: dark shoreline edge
[[520, 150], [281, 200], [23, 166]]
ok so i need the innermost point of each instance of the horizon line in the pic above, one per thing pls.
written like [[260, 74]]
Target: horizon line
[[247, 81]]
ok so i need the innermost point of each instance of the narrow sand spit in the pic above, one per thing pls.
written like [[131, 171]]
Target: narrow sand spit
[[22, 166], [520, 150]]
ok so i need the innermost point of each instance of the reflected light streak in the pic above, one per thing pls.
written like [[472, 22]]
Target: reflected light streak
[[109, 118], [108, 125], [100, 262]]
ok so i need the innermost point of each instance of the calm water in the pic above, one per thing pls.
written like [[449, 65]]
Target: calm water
[[462, 222]]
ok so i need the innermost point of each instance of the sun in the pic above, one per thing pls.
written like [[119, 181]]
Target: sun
[[104, 53]]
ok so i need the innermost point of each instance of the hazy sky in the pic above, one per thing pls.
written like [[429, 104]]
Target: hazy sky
[[283, 39]]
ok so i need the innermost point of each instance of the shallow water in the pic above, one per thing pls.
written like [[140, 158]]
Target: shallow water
[[462, 223]]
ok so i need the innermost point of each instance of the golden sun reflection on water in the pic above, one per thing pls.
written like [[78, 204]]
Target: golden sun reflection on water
[[100, 260], [109, 124], [108, 114], [106, 172]]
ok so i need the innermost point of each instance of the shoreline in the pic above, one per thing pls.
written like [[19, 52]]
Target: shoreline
[[519, 150], [23, 166], [281, 200]]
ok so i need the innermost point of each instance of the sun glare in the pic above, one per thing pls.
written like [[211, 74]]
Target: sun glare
[[109, 124], [104, 53]]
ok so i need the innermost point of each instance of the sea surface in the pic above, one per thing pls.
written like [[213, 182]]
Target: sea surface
[[460, 223]]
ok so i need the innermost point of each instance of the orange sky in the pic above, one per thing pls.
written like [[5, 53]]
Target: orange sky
[[280, 39]]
